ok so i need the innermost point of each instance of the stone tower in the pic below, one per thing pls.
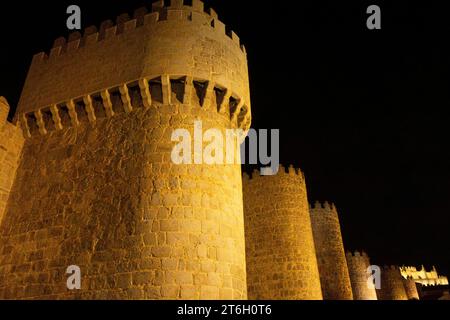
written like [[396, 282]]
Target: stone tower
[[11, 143], [334, 276], [96, 186], [281, 259], [358, 263], [392, 287], [411, 289]]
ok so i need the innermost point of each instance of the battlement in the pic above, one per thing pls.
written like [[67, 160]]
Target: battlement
[[286, 171], [174, 39], [326, 206], [390, 267], [357, 254], [161, 11]]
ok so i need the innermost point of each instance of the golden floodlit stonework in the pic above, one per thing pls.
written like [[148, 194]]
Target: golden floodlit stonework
[[358, 264], [331, 260], [281, 258], [96, 186], [87, 177]]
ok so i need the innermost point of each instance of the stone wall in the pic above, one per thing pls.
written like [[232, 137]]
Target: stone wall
[[177, 40], [358, 264], [107, 197], [330, 252], [392, 287], [281, 259], [96, 186], [11, 143], [411, 289]]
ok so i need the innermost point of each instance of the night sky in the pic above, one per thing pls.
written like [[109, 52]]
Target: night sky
[[362, 112]]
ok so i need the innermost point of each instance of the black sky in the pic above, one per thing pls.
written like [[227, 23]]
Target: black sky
[[363, 113]]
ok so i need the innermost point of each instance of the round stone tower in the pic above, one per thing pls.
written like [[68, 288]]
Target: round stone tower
[[392, 287], [334, 276], [98, 187], [4, 110], [411, 289], [281, 259], [358, 263]]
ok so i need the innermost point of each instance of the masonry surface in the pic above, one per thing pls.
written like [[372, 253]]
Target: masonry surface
[[96, 186], [87, 177], [281, 258]]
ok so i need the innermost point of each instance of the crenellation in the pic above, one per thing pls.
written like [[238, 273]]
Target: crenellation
[[111, 32], [73, 36], [108, 29], [218, 25], [213, 13], [235, 38], [73, 45], [151, 18], [139, 14], [177, 3], [39, 57], [157, 5], [104, 26], [122, 18], [91, 38], [198, 5], [59, 42]]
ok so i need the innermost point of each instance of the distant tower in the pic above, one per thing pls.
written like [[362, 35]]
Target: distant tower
[[392, 287], [358, 263], [281, 259], [4, 110], [11, 143], [411, 289], [97, 186], [334, 276]]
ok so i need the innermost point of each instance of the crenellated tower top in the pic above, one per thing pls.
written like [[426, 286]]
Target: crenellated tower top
[[175, 41]]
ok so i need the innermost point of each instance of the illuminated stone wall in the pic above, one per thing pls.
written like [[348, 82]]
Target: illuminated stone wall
[[96, 186], [11, 142], [424, 277], [330, 252], [358, 263], [392, 287], [411, 289], [281, 258]]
